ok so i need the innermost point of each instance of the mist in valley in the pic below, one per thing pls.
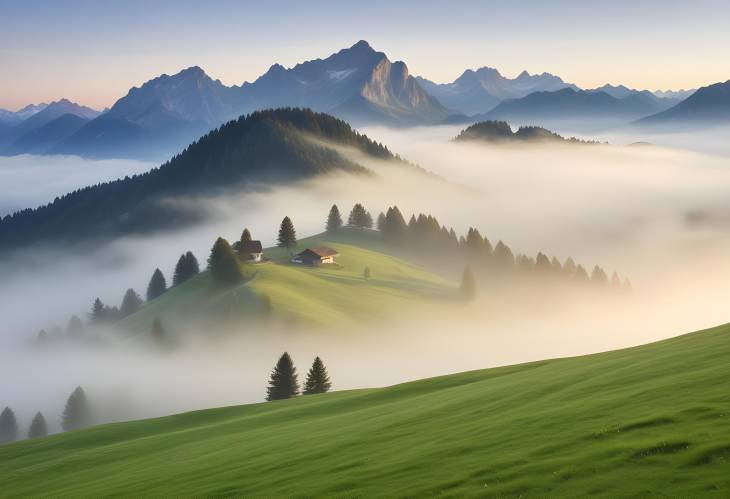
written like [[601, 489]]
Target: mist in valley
[[656, 215]]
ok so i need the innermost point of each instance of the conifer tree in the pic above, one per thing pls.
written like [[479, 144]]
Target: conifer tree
[[186, 267], [395, 229], [318, 381], [8, 426], [334, 220], [98, 312], [381, 222], [503, 257], [615, 281], [557, 267], [283, 383], [77, 413], [598, 276], [580, 274], [287, 235], [468, 284], [75, 327], [241, 245], [157, 285], [223, 263], [38, 427], [131, 303], [569, 267], [360, 218], [542, 263]]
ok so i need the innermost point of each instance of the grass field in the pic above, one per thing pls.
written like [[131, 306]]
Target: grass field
[[647, 421], [329, 296]]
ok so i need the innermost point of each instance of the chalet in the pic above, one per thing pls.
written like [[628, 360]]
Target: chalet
[[254, 250], [315, 256]]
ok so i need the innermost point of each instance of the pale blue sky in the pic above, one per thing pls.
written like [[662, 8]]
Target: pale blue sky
[[92, 51]]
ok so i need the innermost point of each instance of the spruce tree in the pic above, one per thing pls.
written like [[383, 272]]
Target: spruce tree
[[395, 229], [157, 285], [318, 381], [186, 267], [360, 218], [38, 427], [334, 220], [468, 284], [131, 303], [77, 413], [223, 263], [242, 242], [192, 266], [98, 312], [287, 234], [598, 276], [75, 327], [8, 426], [381, 222], [283, 383]]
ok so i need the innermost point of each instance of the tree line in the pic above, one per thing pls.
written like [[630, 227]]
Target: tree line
[[76, 414], [284, 380]]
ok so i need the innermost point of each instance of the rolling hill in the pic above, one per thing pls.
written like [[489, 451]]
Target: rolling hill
[[644, 421], [500, 132], [265, 148], [331, 297]]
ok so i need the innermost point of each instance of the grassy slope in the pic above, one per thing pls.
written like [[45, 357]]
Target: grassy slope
[[648, 420], [325, 296]]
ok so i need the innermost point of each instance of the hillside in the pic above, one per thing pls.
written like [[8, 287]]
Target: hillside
[[266, 147], [500, 132], [708, 105], [325, 296], [645, 421]]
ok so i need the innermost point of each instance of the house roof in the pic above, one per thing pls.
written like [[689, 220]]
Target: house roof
[[252, 247], [324, 251]]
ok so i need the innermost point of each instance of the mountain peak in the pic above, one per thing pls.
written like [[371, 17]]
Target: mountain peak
[[363, 46]]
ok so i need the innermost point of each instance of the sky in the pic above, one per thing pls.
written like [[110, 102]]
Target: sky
[[92, 51]]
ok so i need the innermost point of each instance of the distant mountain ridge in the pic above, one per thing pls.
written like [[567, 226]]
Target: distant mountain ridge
[[708, 105], [500, 132], [480, 91]]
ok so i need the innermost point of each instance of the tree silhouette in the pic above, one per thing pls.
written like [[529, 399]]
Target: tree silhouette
[[98, 312], [75, 327], [223, 263], [8, 426], [77, 413], [241, 245], [283, 383], [157, 285], [468, 284], [38, 427], [334, 220], [131, 303], [360, 218], [318, 381], [287, 234], [187, 266]]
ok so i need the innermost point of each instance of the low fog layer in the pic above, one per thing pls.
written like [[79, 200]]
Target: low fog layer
[[28, 181], [659, 216]]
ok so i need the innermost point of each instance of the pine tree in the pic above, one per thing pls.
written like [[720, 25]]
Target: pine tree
[[287, 234], [187, 267], [8, 426], [395, 229], [38, 427], [542, 263], [77, 413], [580, 274], [360, 218], [131, 303], [283, 383], [598, 276], [468, 284], [98, 312], [366, 273], [318, 381], [569, 267], [75, 327], [242, 242], [334, 220], [157, 285], [381, 222], [223, 263]]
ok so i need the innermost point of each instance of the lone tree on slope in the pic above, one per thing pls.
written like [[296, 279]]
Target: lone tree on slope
[[334, 220], [223, 263], [98, 312], [468, 284], [287, 234], [131, 303], [38, 427], [283, 383], [187, 267], [8, 426], [157, 285], [77, 413], [318, 381]]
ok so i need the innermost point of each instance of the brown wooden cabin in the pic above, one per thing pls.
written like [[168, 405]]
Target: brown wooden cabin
[[315, 256]]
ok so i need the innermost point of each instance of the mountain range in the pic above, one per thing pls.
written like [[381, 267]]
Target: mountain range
[[708, 105], [359, 84]]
